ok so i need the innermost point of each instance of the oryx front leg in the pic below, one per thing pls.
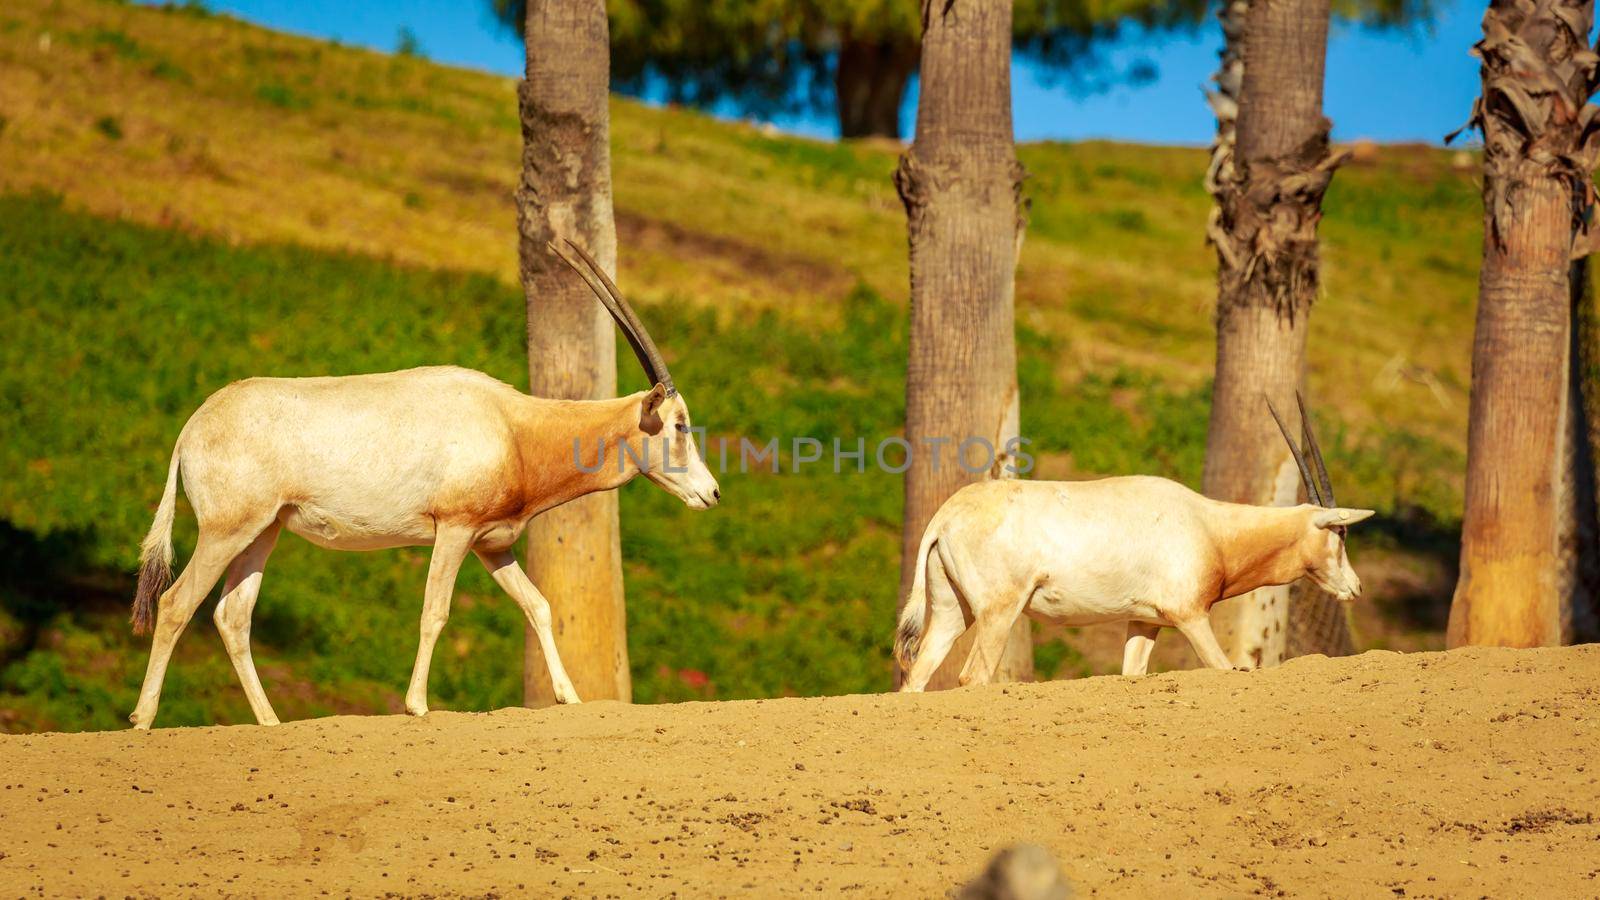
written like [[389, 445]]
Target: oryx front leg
[[502, 564], [1136, 653], [450, 546], [1204, 642]]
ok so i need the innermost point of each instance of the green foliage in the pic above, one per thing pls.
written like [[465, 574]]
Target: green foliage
[[407, 44], [281, 96], [193, 8], [118, 43], [1129, 219], [1055, 658], [122, 46], [109, 126], [171, 71]]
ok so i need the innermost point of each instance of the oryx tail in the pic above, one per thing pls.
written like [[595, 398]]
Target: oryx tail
[[155, 554], [913, 616]]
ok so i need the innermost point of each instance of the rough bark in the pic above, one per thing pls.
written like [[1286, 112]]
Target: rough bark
[[1578, 541], [573, 551], [1224, 102], [961, 184], [1538, 74], [871, 81], [1264, 228]]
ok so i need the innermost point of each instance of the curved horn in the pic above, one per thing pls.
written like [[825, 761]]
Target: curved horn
[[1316, 452], [1300, 460], [655, 368]]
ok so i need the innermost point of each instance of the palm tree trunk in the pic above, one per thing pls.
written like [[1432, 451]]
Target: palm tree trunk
[[1224, 102], [1537, 158], [1578, 542], [961, 182], [1269, 200], [573, 551], [870, 82]]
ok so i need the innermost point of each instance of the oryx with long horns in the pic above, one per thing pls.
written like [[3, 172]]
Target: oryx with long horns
[[442, 456], [1144, 550]]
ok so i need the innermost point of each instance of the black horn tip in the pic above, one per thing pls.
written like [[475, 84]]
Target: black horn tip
[[1318, 464], [1296, 452]]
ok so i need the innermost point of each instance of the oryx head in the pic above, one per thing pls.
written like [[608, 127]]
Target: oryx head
[[669, 457], [1322, 548]]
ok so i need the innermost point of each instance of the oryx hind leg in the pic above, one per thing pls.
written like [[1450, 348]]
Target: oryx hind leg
[[213, 551], [992, 633], [239, 593], [948, 617]]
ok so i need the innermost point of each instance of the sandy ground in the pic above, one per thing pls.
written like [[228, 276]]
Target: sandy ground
[[1463, 774]]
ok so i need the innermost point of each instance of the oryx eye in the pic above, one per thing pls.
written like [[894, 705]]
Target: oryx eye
[[682, 428]]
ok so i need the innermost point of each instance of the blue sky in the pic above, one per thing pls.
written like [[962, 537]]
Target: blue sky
[[1415, 85]]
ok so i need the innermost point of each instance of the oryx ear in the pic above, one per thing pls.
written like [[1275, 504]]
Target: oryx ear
[[649, 409], [1339, 517], [652, 400]]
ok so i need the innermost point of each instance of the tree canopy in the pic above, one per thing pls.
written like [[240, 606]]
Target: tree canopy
[[856, 56]]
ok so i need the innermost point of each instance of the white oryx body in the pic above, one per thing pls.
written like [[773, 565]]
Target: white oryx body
[[1144, 550], [439, 456]]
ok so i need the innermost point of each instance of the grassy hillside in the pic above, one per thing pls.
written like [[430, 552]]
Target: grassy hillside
[[185, 200]]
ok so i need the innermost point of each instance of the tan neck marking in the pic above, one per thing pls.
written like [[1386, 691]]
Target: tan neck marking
[[1259, 545], [546, 432]]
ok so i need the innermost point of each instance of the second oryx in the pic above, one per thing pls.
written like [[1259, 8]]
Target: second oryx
[[1144, 550]]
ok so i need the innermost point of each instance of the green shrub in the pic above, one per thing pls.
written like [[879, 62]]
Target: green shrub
[[281, 96], [407, 44]]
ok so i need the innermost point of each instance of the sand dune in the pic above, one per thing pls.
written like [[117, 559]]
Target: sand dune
[[1461, 774]]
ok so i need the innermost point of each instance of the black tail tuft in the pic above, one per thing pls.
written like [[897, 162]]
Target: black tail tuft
[[908, 640], [154, 576]]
